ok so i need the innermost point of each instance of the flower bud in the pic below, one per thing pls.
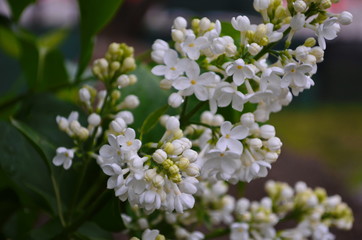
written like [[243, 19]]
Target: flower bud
[[300, 6], [132, 79], [310, 42], [82, 133], [150, 174], [325, 4], [183, 163], [267, 131], [190, 154], [260, 5], [172, 124], [143, 223], [167, 164], [274, 143], [123, 80], [131, 102], [271, 157], [128, 64], [168, 147], [178, 147], [193, 170], [204, 24], [115, 95], [94, 119], [297, 22], [127, 116], [217, 120], [62, 123], [247, 119], [158, 181], [173, 170], [84, 95], [177, 35], [206, 117], [165, 84], [118, 125], [175, 100], [318, 52], [159, 156], [345, 18], [254, 49], [180, 23], [255, 143]]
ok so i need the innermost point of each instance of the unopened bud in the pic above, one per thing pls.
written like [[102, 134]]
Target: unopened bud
[[267, 131], [180, 23], [131, 102], [165, 84], [204, 24], [193, 170], [274, 143], [168, 147], [300, 6], [115, 95], [255, 143], [254, 49], [123, 80], [94, 119], [127, 116], [84, 95], [159, 156], [173, 170], [345, 18], [118, 125], [217, 120], [190, 154], [325, 4], [150, 174], [247, 119], [177, 35], [172, 124], [132, 79], [167, 164], [175, 100], [128, 65], [82, 133], [158, 181], [183, 163], [310, 42]]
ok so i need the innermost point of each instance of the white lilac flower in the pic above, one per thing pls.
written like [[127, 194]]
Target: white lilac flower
[[159, 48], [239, 70], [271, 80], [220, 165], [192, 46], [111, 152], [273, 36], [239, 231], [223, 45], [64, 157], [327, 30], [230, 137], [150, 234], [173, 67], [128, 141], [295, 74], [225, 94], [241, 23], [64, 123], [195, 83]]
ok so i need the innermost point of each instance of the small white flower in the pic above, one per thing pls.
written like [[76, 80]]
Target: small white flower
[[159, 48], [241, 23], [225, 94], [297, 22], [128, 141], [195, 83], [192, 46], [111, 152], [64, 157], [173, 67], [150, 234], [231, 136], [239, 70], [239, 231], [327, 30], [345, 18], [295, 75], [175, 100]]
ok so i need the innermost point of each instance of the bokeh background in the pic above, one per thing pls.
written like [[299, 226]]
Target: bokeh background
[[321, 129]]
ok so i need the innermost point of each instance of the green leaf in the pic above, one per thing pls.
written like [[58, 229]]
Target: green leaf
[[52, 40], [94, 16], [152, 119], [42, 146], [91, 231], [229, 30], [42, 64], [9, 42], [26, 169], [18, 6]]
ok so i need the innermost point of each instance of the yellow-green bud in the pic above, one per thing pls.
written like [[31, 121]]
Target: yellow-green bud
[[113, 48], [325, 4], [128, 65], [176, 178], [115, 95], [178, 134], [321, 18], [310, 42], [82, 133], [280, 12], [260, 33], [160, 237], [132, 79], [115, 66], [195, 23], [168, 148], [167, 164], [249, 34], [183, 163], [264, 41], [134, 238], [173, 169]]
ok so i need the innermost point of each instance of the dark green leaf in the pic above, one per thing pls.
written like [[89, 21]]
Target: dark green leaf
[[228, 30], [18, 6], [20, 223], [152, 119], [26, 169], [47, 231], [91, 231], [94, 16], [52, 40], [9, 43]]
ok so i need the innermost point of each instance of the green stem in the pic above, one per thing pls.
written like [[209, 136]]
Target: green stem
[[217, 233], [187, 117], [183, 111], [58, 200], [91, 211]]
